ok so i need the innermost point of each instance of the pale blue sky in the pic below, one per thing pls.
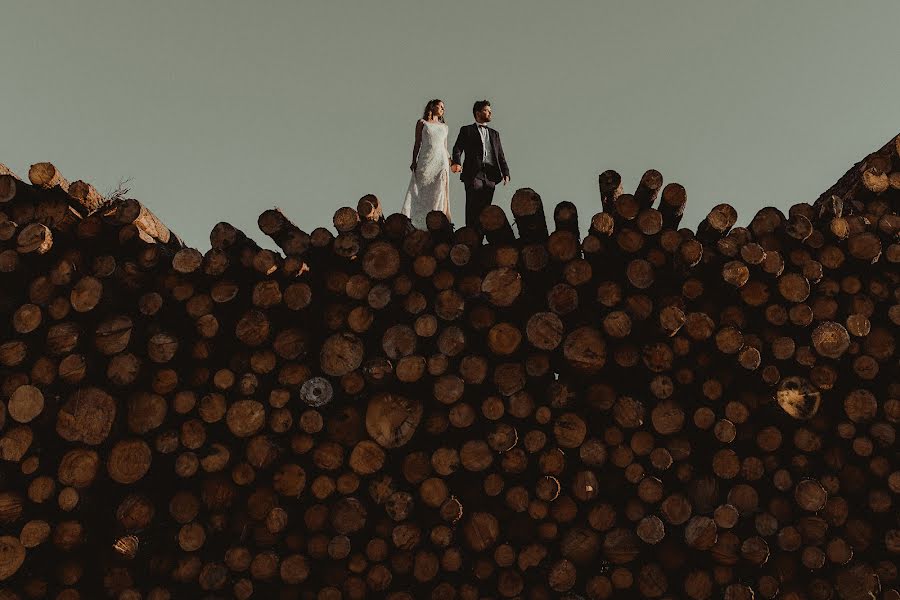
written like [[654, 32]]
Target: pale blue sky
[[218, 110]]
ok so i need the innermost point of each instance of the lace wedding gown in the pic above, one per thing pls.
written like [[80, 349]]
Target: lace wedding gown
[[429, 185]]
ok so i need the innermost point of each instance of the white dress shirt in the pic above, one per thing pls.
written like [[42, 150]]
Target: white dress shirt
[[486, 143]]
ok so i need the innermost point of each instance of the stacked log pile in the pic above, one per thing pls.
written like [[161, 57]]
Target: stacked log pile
[[642, 411]]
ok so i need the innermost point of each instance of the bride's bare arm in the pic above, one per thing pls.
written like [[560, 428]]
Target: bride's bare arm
[[419, 125], [458, 147]]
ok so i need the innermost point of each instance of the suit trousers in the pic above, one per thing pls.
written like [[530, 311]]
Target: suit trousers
[[476, 201]]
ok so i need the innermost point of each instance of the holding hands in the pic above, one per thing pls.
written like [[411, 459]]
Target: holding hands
[[456, 168]]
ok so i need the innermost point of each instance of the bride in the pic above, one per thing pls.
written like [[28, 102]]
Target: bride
[[429, 184]]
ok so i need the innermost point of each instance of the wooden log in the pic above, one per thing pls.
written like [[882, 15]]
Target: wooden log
[[648, 188], [562, 245], [7, 228], [12, 556], [438, 226], [290, 238], [129, 461], [798, 397], [86, 294], [34, 237], [672, 204], [626, 208], [47, 176], [128, 211], [649, 222], [54, 210], [85, 198], [717, 223], [494, 224], [565, 217], [11, 185], [610, 189], [528, 211], [369, 208], [187, 260], [87, 416], [345, 219], [225, 236], [392, 420], [831, 339]]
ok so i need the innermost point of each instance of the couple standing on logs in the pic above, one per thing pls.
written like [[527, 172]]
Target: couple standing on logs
[[483, 168]]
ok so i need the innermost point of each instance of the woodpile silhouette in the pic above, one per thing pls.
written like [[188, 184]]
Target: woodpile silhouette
[[644, 411]]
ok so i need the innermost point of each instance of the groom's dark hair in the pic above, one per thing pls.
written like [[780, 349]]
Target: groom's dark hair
[[479, 105]]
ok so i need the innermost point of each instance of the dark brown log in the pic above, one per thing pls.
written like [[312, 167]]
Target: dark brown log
[[648, 188], [565, 218], [528, 211], [562, 245], [381, 261], [798, 398], [865, 247], [690, 252], [85, 198], [345, 219], [392, 420], [291, 239], [717, 223], [626, 208], [439, 226], [34, 237], [11, 186], [610, 189], [494, 224], [53, 209], [502, 286], [129, 461], [25, 404], [225, 236], [672, 204], [649, 221], [7, 228], [12, 556], [369, 208]]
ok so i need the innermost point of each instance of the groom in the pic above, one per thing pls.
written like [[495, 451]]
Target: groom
[[485, 164]]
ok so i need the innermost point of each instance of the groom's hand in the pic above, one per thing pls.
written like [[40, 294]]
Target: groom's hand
[[455, 168], [506, 180]]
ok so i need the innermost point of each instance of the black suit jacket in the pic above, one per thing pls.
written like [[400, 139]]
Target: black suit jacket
[[468, 142]]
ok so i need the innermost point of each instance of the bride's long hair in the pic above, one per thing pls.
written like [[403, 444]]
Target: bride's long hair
[[430, 108]]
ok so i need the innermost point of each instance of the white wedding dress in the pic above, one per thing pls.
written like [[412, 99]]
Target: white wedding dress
[[429, 185]]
